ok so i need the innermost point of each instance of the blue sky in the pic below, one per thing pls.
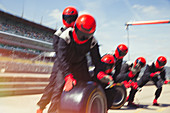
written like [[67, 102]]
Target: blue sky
[[148, 41]]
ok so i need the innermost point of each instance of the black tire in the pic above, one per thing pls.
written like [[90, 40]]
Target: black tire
[[120, 95], [86, 97]]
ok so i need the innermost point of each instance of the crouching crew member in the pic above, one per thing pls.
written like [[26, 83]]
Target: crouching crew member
[[154, 72], [130, 71]]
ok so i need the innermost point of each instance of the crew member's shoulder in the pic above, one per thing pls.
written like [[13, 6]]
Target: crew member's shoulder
[[66, 35], [150, 64], [60, 31], [129, 63]]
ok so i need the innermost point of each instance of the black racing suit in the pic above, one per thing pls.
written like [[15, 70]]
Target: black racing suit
[[158, 81], [117, 68], [46, 97], [56, 38], [124, 71], [110, 91], [71, 58]]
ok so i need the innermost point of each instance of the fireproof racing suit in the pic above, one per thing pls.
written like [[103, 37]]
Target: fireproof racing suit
[[117, 69], [110, 91], [56, 37], [124, 71], [46, 97], [71, 58], [157, 80]]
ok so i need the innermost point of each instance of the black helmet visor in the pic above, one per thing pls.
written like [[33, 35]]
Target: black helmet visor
[[81, 35], [70, 18]]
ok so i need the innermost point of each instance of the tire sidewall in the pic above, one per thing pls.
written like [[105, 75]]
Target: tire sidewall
[[96, 94], [119, 89], [82, 98]]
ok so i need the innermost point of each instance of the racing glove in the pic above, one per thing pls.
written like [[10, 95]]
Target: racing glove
[[39, 111], [134, 85], [129, 82], [104, 77], [70, 82], [126, 84], [131, 75], [166, 81], [155, 74]]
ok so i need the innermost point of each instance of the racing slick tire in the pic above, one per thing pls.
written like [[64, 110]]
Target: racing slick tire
[[85, 97], [120, 95]]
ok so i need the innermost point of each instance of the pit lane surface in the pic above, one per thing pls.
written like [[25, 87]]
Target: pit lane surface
[[145, 99], [27, 104]]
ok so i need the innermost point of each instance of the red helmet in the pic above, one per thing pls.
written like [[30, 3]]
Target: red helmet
[[140, 61], [70, 15], [84, 28], [121, 51], [109, 61], [160, 62]]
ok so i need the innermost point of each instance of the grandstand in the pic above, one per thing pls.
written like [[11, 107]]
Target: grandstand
[[24, 43]]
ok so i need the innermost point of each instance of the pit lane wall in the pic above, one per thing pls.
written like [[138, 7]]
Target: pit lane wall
[[23, 78], [12, 84]]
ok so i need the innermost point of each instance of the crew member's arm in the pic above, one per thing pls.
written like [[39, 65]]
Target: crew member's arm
[[95, 54], [148, 72], [104, 78], [96, 60], [123, 76], [124, 71], [163, 74], [135, 77], [118, 66], [63, 47]]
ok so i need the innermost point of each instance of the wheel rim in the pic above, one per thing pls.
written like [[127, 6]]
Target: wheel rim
[[119, 96]]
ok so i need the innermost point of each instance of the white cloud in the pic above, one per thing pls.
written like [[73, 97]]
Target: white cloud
[[56, 14], [147, 10], [53, 18]]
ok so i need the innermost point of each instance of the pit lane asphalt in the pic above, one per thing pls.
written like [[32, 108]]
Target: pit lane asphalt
[[27, 104]]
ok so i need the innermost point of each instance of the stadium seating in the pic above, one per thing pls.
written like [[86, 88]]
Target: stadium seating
[[16, 25]]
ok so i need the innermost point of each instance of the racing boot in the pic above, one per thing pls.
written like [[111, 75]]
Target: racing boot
[[131, 104], [155, 103], [39, 111]]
